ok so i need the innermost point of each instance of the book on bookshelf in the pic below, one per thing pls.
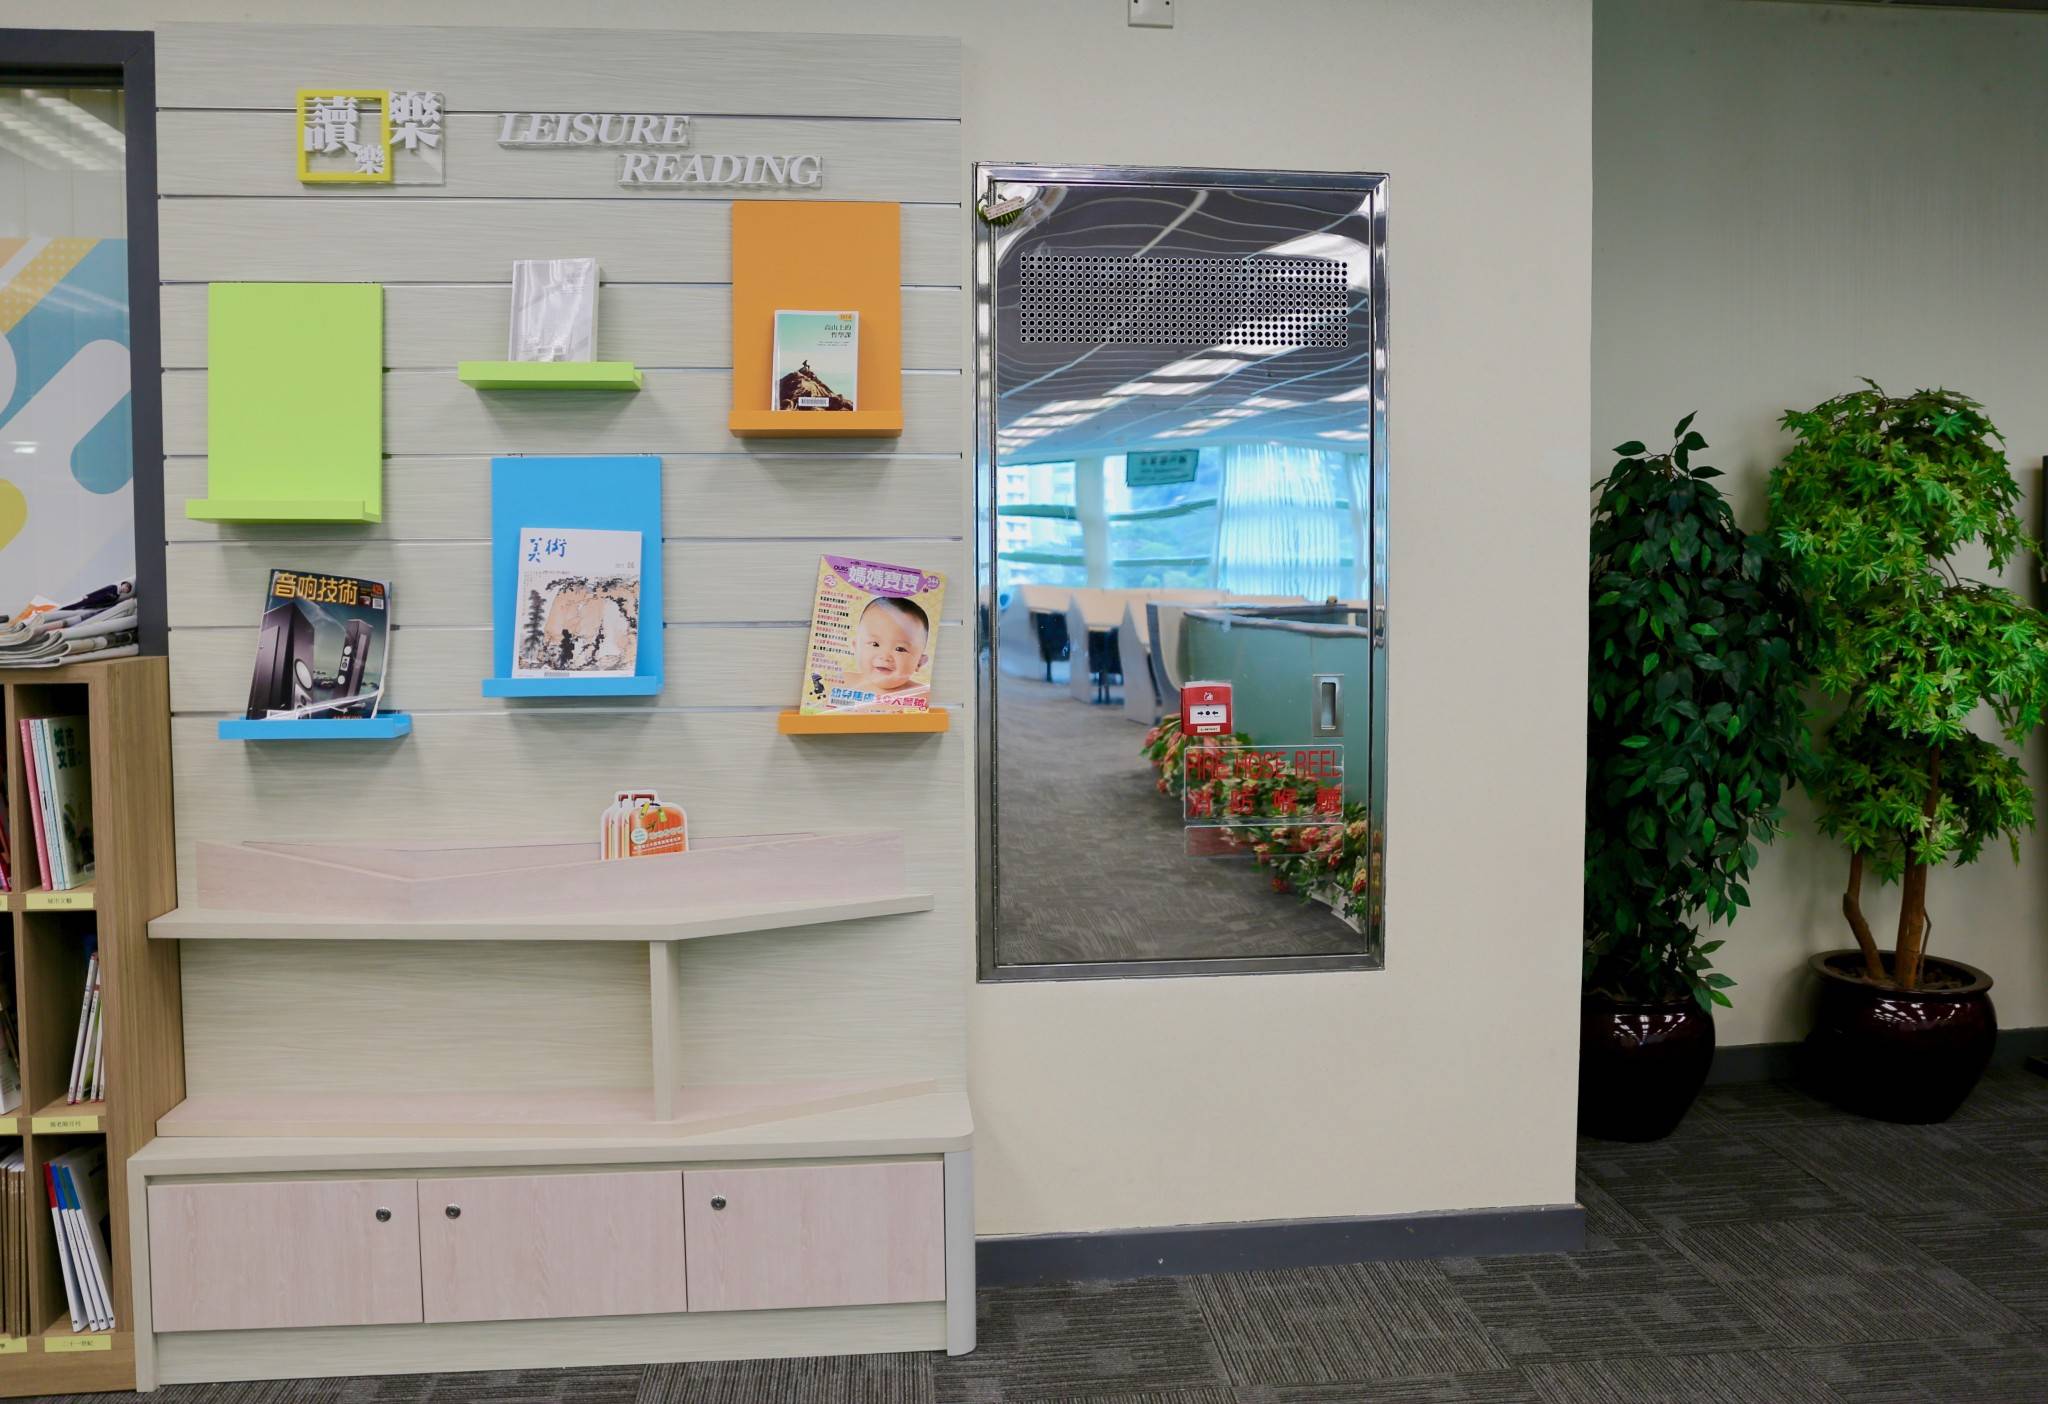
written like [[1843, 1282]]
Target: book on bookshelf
[[75, 1183], [816, 360], [57, 774], [70, 759], [84, 1043], [579, 602], [14, 1244], [10, 1040], [873, 634], [321, 649]]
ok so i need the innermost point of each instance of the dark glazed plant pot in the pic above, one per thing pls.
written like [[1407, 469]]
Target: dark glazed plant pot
[[1898, 1056], [1640, 1066]]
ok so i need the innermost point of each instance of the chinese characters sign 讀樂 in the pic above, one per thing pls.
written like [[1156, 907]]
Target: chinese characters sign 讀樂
[[369, 136]]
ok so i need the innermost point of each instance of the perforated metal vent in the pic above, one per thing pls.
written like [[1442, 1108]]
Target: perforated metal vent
[[1277, 302]]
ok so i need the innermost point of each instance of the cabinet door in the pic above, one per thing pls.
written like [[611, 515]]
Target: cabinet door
[[510, 1247], [807, 1236], [227, 1257]]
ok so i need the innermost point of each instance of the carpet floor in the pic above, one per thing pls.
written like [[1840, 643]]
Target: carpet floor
[[1773, 1251], [1092, 860]]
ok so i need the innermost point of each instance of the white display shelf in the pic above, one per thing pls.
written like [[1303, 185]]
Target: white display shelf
[[926, 1124], [575, 1114], [730, 919]]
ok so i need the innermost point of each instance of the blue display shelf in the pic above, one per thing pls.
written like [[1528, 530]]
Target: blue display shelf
[[385, 726], [634, 686], [584, 494]]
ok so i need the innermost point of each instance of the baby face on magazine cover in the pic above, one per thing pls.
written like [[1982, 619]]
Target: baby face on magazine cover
[[889, 645]]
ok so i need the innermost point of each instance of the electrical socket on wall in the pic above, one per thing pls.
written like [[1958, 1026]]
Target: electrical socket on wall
[[1151, 14]]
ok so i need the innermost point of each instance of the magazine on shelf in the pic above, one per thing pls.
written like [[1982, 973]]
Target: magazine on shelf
[[874, 629], [817, 361], [321, 649], [579, 602]]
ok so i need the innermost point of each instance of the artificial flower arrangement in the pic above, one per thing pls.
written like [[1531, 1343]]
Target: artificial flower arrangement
[[1335, 861]]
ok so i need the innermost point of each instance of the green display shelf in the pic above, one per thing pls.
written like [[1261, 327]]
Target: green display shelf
[[294, 403], [550, 375], [228, 509]]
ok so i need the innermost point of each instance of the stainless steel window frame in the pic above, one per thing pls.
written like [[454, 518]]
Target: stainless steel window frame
[[1372, 189]]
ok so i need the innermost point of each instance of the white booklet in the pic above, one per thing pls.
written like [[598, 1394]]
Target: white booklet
[[578, 608]]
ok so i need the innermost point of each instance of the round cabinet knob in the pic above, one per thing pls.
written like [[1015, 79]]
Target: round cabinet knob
[[383, 1216], [717, 1201], [453, 1211]]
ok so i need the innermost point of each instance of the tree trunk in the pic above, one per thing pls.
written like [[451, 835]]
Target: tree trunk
[[1913, 892], [1852, 908]]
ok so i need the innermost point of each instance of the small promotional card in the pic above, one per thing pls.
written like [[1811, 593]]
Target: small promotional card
[[817, 361], [638, 825], [874, 630]]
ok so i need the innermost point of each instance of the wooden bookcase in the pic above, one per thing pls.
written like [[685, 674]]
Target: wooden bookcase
[[127, 706]]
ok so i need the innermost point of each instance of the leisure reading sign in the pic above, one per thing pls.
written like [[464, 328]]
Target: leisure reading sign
[[651, 150], [384, 137]]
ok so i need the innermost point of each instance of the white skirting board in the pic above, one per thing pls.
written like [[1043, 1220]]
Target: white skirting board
[[209, 1356]]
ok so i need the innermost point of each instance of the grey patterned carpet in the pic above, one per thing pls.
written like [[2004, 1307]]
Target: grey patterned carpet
[[1092, 860], [1774, 1251]]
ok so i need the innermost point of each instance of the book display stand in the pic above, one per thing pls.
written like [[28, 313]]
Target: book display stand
[[294, 403], [385, 726], [549, 375], [541, 892], [824, 255], [448, 1098], [605, 494], [126, 705], [795, 723]]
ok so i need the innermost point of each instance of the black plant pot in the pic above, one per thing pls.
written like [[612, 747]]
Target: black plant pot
[[1893, 1055], [1640, 1066]]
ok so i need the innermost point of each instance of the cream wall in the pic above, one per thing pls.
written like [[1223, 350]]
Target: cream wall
[[1791, 196], [1447, 1080]]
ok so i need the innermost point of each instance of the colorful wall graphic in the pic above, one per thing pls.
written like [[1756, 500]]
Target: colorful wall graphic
[[67, 520]]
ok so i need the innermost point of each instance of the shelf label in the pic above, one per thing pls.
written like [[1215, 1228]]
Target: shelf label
[[13, 1345], [59, 1345], [64, 1122], [72, 900]]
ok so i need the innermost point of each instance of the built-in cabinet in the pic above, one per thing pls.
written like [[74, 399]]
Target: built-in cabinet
[[245, 1256], [521, 1247], [256, 1254], [813, 1236]]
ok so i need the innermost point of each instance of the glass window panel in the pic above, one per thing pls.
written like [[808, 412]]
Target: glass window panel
[[67, 522]]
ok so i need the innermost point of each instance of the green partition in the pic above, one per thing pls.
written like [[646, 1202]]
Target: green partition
[[1272, 659], [294, 403]]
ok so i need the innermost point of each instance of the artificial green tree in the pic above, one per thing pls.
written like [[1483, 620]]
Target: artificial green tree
[[1872, 506], [1697, 721]]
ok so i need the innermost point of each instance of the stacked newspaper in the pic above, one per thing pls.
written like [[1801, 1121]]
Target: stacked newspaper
[[45, 634]]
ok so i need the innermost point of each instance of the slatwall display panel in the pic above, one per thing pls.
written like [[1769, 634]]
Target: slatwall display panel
[[744, 524], [678, 411], [245, 66], [209, 153], [435, 669], [381, 1016], [656, 326], [306, 238], [433, 498], [705, 580]]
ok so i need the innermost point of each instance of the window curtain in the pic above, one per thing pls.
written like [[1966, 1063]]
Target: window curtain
[[1280, 530]]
